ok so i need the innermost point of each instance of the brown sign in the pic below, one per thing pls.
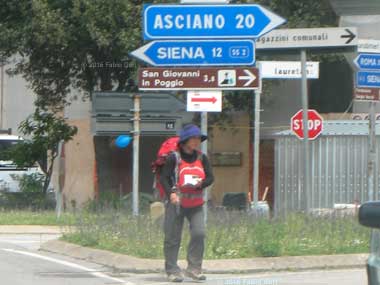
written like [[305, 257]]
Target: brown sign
[[198, 78], [367, 94]]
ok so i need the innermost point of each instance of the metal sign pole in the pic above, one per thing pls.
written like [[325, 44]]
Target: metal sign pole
[[136, 152], [371, 151], [256, 151], [204, 126], [204, 118], [204, 123], [305, 107]]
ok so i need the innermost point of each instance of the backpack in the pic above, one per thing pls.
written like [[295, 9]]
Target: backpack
[[167, 147]]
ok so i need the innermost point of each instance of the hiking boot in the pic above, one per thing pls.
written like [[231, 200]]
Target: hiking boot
[[195, 275], [175, 277]]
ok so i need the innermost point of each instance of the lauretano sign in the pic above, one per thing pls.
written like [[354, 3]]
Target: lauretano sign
[[315, 124]]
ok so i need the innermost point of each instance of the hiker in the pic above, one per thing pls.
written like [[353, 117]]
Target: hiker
[[184, 176]]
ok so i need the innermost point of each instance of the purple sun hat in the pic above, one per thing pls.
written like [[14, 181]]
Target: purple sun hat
[[190, 131]]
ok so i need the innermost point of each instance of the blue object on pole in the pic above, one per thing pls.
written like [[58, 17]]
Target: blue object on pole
[[208, 21], [123, 141], [197, 53]]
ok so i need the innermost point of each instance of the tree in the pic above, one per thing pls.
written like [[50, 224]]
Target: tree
[[45, 131], [66, 45]]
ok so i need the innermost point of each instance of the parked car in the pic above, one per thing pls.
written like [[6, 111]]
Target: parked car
[[10, 174], [369, 216]]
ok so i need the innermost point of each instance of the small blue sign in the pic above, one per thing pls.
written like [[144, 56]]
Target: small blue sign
[[368, 61], [207, 21], [197, 53], [369, 79]]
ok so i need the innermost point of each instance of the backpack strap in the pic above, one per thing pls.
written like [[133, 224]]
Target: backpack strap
[[200, 156], [177, 157]]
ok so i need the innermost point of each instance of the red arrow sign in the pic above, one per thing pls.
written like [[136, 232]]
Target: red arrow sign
[[204, 100]]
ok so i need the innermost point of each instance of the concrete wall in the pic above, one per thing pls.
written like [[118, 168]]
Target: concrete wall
[[17, 101], [79, 160], [79, 166]]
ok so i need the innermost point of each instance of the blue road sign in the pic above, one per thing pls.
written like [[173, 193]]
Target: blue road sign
[[207, 21], [197, 53], [368, 79], [368, 61]]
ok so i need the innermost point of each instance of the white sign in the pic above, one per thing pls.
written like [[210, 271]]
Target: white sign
[[368, 46], [287, 69], [204, 101], [308, 38]]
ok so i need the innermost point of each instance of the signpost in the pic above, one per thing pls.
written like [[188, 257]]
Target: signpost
[[198, 78], [368, 79], [368, 61], [204, 101], [368, 46], [208, 21], [197, 53], [367, 94], [288, 70], [190, 27], [309, 38], [204, 119], [303, 40], [368, 76], [314, 124]]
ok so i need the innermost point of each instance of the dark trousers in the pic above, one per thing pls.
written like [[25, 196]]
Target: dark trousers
[[173, 232]]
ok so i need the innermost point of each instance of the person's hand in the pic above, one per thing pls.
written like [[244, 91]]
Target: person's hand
[[174, 198], [198, 185]]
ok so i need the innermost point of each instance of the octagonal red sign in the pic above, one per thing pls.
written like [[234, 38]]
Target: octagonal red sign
[[315, 124]]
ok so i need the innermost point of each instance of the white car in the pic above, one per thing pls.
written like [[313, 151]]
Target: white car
[[9, 172]]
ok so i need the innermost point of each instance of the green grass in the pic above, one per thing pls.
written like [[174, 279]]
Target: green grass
[[44, 218], [229, 235]]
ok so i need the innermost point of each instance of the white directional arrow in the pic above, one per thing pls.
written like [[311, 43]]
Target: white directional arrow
[[250, 77], [140, 53]]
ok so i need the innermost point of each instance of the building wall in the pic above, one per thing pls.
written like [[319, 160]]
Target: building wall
[[231, 178], [79, 166], [79, 158], [17, 101]]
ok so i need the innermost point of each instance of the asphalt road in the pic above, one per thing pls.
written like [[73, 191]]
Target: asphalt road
[[22, 264], [341, 277]]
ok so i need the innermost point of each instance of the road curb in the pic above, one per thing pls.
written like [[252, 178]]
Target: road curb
[[129, 264], [31, 229]]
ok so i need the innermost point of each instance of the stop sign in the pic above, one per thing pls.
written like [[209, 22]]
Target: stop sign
[[315, 124]]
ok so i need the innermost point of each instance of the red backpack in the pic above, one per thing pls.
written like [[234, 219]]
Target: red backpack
[[167, 147]]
